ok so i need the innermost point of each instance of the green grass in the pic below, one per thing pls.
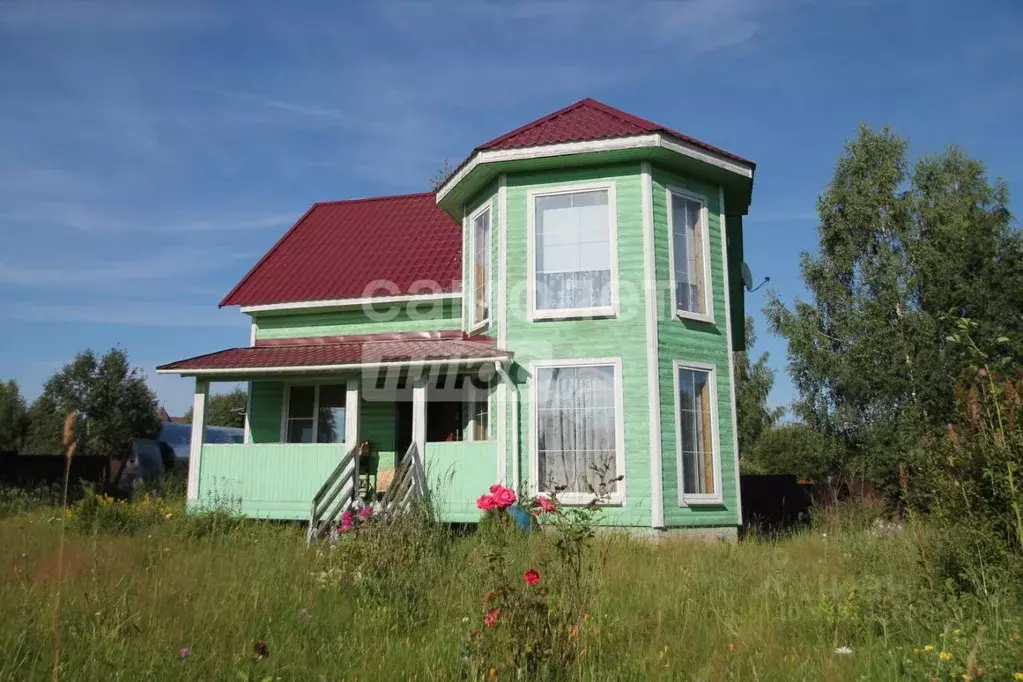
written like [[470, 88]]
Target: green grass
[[401, 607]]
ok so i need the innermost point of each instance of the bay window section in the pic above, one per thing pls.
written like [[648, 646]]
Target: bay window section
[[573, 242], [315, 413], [690, 257], [578, 432], [480, 269], [696, 434]]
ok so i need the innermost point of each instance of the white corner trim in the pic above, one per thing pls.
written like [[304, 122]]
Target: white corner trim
[[247, 434], [652, 355], [731, 355], [349, 302], [198, 438], [708, 279], [694, 500], [619, 497], [609, 186], [615, 144], [502, 327], [466, 265]]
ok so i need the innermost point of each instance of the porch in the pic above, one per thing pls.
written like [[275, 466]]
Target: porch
[[303, 420]]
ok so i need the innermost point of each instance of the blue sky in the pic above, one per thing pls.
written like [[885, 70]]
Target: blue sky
[[151, 152]]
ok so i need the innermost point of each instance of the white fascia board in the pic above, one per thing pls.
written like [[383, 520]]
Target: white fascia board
[[349, 302], [311, 369], [613, 144]]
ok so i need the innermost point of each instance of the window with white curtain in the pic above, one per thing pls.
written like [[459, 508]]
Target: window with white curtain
[[696, 416], [480, 310], [315, 413], [577, 430], [573, 259], [689, 254]]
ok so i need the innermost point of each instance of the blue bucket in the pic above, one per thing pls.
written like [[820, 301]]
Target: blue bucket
[[523, 519]]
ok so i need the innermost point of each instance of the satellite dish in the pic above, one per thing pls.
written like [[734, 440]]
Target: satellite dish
[[747, 279]]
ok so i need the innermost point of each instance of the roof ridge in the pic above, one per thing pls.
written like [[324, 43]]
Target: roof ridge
[[622, 115], [384, 197], [534, 124]]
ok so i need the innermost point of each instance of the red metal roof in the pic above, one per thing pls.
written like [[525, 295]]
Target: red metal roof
[[589, 119], [338, 248], [342, 351]]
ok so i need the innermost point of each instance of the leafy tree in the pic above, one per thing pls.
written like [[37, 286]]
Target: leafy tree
[[111, 397], [753, 383], [224, 409], [899, 248], [13, 417], [796, 449], [438, 179]]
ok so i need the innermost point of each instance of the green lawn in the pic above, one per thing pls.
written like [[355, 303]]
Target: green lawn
[[391, 608]]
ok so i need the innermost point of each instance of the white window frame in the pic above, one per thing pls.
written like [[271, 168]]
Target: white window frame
[[618, 497], [473, 395], [286, 406], [610, 186], [691, 499], [708, 288], [474, 324]]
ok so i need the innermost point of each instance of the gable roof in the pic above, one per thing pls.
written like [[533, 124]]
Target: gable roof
[[586, 120], [338, 248]]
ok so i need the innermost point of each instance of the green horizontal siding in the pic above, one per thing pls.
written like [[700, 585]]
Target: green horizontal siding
[[416, 317], [456, 475], [276, 481], [692, 341]]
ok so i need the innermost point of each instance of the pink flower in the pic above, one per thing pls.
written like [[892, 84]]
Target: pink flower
[[546, 504], [490, 620], [494, 488], [184, 653], [532, 576], [365, 513], [486, 502], [504, 497], [347, 521]]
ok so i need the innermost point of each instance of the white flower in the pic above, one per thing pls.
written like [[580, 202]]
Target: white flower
[[843, 651]]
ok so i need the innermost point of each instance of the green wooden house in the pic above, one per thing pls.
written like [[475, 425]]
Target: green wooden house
[[558, 316]]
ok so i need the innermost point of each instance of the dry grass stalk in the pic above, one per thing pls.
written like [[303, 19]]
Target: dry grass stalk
[[68, 439]]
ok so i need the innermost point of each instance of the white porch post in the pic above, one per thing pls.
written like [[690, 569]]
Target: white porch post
[[419, 415], [202, 390], [352, 409]]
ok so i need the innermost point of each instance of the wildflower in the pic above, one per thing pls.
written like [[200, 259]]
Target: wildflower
[[505, 497], [365, 513], [347, 521], [929, 648], [486, 502], [945, 656], [532, 576], [843, 651], [490, 620], [184, 653], [916, 650], [305, 614], [1018, 676], [261, 649], [545, 504]]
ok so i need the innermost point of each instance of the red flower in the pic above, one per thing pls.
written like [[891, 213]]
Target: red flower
[[490, 620], [494, 488], [545, 504], [532, 576], [504, 497], [486, 502]]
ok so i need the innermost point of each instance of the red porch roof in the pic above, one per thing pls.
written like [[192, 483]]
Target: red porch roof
[[340, 352], [338, 248]]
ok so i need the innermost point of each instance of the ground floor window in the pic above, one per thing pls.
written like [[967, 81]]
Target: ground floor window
[[577, 429], [696, 433], [459, 414], [315, 413]]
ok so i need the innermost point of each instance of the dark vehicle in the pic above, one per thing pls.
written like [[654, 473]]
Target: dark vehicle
[[146, 463], [179, 437]]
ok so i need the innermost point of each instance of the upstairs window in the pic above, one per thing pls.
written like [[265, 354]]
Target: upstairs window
[[690, 255], [315, 414], [573, 253], [480, 269]]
